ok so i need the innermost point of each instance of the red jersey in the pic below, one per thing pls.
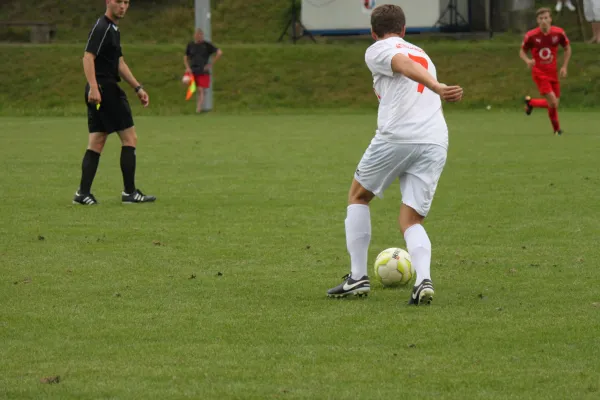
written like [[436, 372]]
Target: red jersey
[[544, 48]]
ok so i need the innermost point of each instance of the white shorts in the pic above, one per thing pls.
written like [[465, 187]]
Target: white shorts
[[591, 9], [418, 166]]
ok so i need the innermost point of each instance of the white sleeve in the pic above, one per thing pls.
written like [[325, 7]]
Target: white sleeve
[[380, 60]]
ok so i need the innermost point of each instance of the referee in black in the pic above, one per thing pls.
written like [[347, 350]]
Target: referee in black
[[107, 106]]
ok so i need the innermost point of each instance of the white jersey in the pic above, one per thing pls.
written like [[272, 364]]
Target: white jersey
[[408, 112]]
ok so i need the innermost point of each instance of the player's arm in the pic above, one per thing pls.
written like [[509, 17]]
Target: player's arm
[[412, 70], [523, 53], [127, 75], [89, 68], [567, 57], [217, 55], [186, 59], [92, 48], [186, 62], [530, 62]]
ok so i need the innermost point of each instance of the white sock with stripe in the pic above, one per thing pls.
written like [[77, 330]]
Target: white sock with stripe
[[358, 237], [419, 248]]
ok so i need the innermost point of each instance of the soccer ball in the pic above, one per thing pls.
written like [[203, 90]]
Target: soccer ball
[[393, 267]]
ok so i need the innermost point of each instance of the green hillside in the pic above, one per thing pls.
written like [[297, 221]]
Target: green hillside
[[152, 21], [270, 77], [256, 73]]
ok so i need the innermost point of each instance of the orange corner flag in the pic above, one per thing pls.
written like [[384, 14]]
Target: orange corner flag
[[191, 88]]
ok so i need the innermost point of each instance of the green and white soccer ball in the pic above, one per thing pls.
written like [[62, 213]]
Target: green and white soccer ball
[[393, 267]]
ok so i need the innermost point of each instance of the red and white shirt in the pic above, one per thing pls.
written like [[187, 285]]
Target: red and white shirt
[[544, 49]]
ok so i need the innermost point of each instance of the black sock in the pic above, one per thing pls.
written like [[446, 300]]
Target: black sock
[[89, 166], [128, 168]]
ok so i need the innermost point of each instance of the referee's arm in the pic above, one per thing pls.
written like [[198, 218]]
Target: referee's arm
[[92, 48], [127, 75], [89, 68]]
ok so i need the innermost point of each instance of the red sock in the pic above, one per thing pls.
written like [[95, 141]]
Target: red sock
[[553, 114], [538, 103]]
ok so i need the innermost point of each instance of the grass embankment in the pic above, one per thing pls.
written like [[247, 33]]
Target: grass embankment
[[49, 80], [151, 21]]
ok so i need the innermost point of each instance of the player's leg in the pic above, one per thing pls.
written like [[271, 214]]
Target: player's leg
[[418, 246], [128, 158], [595, 32], [96, 140], [376, 171], [418, 186], [131, 194], [121, 121], [544, 87], [89, 166], [559, 5], [591, 9], [200, 100], [203, 82], [358, 228], [553, 101], [358, 238], [531, 103], [570, 5]]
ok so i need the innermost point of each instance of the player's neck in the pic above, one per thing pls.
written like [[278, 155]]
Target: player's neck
[[111, 17], [547, 30], [390, 35]]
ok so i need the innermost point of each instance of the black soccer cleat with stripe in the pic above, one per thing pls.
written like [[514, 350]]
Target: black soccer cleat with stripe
[[422, 294], [528, 108], [84, 199], [136, 197], [349, 286]]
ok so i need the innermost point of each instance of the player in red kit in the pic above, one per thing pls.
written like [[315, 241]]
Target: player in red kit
[[543, 43]]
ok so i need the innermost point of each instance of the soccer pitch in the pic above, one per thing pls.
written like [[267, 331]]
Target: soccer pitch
[[217, 291]]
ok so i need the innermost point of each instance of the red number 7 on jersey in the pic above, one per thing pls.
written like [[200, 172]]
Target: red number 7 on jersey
[[424, 63]]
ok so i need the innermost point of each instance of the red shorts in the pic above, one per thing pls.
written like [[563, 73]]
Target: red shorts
[[202, 80], [547, 85]]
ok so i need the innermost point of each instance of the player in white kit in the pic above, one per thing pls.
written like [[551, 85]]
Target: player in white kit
[[410, 143]]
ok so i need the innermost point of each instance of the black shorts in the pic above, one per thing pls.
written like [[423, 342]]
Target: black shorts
[[114, 113]]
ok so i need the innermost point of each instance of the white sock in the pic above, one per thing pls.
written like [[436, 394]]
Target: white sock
[[358, 237], [419, 248]]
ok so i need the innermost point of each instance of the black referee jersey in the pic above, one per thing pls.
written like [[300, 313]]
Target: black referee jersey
[[105, 43], [114, 112]]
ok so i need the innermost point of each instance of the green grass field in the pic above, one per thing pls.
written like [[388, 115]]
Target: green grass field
[[217, 291]]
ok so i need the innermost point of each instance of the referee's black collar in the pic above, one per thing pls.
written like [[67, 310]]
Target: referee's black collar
[[110, 21]]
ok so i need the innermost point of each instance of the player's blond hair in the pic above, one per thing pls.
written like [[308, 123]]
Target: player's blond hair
[[387, 18], [543, 10]]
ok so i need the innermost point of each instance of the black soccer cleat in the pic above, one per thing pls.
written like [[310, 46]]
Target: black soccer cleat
[[528, 108], [136, 197], [360, 287], [558, 132], [422, 294], [84, 199]]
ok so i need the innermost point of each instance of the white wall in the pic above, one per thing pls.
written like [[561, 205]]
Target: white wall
[[352, 15]]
